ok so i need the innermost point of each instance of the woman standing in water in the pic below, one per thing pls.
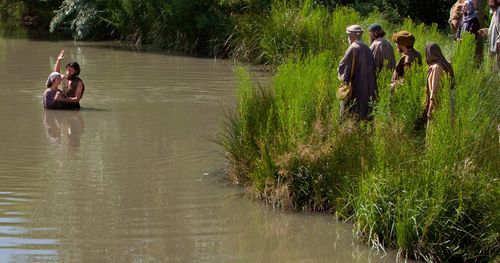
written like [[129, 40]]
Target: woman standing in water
[[75, 88], [53, 97]]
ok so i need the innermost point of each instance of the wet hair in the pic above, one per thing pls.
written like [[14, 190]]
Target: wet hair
[[75, 66]]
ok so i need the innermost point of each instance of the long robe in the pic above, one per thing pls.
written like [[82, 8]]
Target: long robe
[[438, 65], [364, 84], [434, 76], [383, 53], [406, 61]]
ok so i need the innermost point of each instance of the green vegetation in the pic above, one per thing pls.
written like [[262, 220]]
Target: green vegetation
[[193, 27], [201, 27], [27, 19], [432, 194]]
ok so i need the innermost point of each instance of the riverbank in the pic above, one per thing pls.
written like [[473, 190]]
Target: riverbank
[[433, 195], [210, 28]]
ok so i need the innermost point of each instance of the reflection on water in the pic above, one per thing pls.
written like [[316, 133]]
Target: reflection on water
[[64, 127], [125, 178]]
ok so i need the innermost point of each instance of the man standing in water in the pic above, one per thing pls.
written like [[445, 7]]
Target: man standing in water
[[404, 41], [357, 68], [74, 89], [382, 50]]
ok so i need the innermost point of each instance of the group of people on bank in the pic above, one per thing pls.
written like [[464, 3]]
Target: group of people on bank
[[360, 65]]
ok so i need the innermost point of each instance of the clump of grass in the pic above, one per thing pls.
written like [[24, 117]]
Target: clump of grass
[[431, 198], [248, 130]]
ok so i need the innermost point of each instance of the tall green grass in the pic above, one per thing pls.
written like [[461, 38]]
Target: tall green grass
[[432, 194], [289, 29]]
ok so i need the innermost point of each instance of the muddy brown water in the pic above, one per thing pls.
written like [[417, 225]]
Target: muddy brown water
[[134, 175]]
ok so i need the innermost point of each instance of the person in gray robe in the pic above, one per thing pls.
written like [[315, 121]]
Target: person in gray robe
[[382, 50], [362, 76]]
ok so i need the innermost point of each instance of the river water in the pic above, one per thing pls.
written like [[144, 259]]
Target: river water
[[134, 175]]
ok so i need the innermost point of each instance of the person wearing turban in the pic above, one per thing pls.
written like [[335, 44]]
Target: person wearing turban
[[357, 68], [404, 41]]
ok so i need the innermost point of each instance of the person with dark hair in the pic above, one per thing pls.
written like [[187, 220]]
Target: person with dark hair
[[357, 69], [438, 67], [382, 50], [404, 41], [53, 97], [75, 87]]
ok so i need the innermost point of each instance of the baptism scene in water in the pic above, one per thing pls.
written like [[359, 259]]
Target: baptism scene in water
[[250, 131]]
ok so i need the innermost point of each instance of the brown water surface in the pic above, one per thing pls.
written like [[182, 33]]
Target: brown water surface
[[133, 176]]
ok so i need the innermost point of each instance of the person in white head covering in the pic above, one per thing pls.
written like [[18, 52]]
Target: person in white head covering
[[469, 22], [53, 97], [357, 67]]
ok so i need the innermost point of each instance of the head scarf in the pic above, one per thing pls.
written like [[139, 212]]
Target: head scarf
[[434, 55], [471, 11], [404, 38], [52, 77]]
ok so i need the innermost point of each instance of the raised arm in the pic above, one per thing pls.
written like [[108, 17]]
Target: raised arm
[[57, 67]]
